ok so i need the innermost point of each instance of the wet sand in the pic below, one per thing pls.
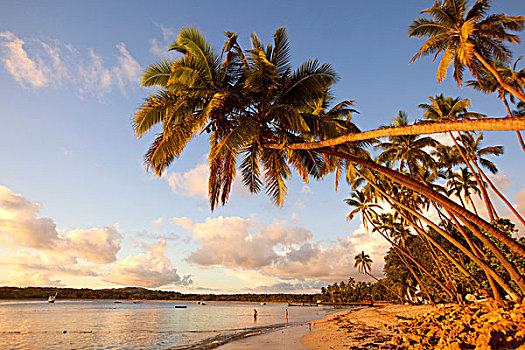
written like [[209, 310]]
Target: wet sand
[[365, 328], [288, 338]]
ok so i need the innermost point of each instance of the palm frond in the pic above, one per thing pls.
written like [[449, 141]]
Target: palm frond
[[276, 172], [250, 169], [157, 74]]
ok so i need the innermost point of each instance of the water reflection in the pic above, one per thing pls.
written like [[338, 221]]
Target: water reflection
[[150, 325]]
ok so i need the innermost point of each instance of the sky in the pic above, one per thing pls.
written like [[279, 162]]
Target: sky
[[77, 207]]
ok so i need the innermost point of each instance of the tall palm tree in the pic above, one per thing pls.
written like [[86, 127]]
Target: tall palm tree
[[362, 204], [363, 263], [243, 99], [462, 184], [407, 150], [263, 108], [447, 157], [466, 38], [487, 83], [448, 108], [477, 154]]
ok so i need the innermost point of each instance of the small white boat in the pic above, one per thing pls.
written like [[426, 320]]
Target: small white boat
[[52, 298], [203, 303]]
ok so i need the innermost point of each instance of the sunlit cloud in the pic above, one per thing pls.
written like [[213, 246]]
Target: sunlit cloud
[[49, 262], [150, 269], [97, 245], [279, 250], [34, 63], [312, 286], [19, 224], [193, 183], [43, 254], [26, 71]]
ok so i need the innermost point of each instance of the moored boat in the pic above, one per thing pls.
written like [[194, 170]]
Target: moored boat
[[52, 298]]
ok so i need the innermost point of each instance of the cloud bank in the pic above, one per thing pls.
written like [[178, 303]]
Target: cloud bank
[[41, 255], [279, 250]]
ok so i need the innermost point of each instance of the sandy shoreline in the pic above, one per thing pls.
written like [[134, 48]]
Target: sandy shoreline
[[360, 329]]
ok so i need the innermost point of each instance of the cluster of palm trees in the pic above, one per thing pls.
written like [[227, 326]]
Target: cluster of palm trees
[[398, 213], [264, 118]]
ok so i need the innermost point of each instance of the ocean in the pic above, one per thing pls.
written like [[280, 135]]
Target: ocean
[[30, 324]]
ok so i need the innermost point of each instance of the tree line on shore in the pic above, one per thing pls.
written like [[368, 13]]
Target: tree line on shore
[[264, 118], [135, 293]]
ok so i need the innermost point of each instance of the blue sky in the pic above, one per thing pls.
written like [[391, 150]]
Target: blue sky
[[86, 212]]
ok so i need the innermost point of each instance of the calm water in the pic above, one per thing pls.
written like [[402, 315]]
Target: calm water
[[148, 325]]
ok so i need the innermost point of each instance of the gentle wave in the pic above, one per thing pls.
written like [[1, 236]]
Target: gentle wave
[[222, 339]]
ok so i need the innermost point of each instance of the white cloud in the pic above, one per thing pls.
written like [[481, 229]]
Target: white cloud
[[160, 47], [44, 251], [38, 64], [26, 71], [127, 70], [278, 250], [19, 224], [48, 262], [334, 262], [150, 269], [157, 222], [193, 183], [97, 245]]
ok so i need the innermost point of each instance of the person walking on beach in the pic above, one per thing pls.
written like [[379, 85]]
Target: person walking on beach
[[286, 314], [254, 314]]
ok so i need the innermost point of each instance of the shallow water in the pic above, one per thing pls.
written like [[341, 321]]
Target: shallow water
[[148, 325]]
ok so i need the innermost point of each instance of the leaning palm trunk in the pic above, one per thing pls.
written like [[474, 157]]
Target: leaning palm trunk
[[484, 193], [471, 255], [393, 201], [485, 124], [423, 287], [466, 216], [494, 72], [421, 268], [500, 195], [384, 285], [430, 194], [520, 139], [398, 250], [479, 253]]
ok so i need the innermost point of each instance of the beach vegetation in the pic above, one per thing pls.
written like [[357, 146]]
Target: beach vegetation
[[264, 118]]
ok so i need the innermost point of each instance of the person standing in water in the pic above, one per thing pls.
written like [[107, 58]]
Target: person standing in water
[[286, 314], [254, 314]]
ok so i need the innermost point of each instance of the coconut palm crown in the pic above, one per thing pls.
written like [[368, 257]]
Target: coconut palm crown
[[244, 100], [466, 37]]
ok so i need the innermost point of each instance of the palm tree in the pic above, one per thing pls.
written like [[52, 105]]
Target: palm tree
[[461, 184], [487, 83], [448, 108], [447, 157], [407, 150], [363, 263], [254, 109], [466, 38], [477, 154], [362, 204], [243, 101]]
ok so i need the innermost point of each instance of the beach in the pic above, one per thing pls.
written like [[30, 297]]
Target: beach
[[360, 329]]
